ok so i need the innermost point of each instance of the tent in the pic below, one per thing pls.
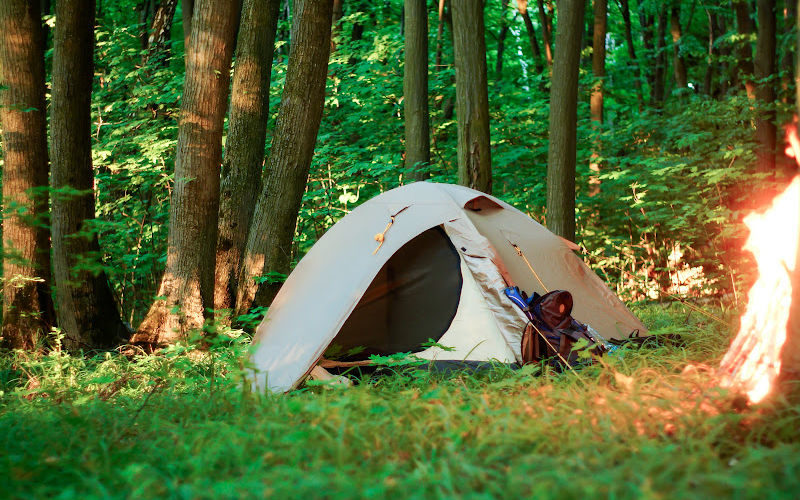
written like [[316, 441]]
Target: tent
[[424, 261]]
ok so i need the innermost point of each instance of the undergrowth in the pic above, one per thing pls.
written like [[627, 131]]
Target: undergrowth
[[184, 423]]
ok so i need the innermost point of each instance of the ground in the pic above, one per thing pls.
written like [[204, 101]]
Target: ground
[[637, 424]]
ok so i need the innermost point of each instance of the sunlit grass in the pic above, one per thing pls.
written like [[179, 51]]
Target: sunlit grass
[[185, 425]]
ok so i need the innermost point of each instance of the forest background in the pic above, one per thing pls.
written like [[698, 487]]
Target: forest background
[[663, 136], [131, 128]]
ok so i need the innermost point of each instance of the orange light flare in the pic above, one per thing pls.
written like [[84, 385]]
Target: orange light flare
[[753, 360]]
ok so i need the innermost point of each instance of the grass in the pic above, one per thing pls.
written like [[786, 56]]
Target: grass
[[183, 425]]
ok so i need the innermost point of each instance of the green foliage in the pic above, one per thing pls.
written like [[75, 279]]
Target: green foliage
[[184, 423]]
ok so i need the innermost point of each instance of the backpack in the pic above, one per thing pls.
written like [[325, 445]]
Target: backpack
[[551, 331]]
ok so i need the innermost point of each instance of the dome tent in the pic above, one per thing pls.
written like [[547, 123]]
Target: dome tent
[[439, 272]]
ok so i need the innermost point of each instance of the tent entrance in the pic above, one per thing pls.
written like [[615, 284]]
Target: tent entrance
[[413, 297]]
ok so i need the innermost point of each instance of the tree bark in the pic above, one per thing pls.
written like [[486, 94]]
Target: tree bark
[[472, 96], [596, 100], [187, 288], [561, 155], [269, 241], [160, 33], [624, 9], [765, 90], [679, 64], [415, 91], [501, 41], [86, 312], [244, 147], [744, 25], [522, 7], [27, 307], [547, 32], [187, 11]]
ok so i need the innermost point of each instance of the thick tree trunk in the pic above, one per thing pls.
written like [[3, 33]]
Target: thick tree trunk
[[87, 314], [547, 31], [657, 95], [187, 11], [765, 90], [561, 155], [27, 308], [415, 90], [269, 241], [187, 287], [522, 7], [244, 147], [744, 25], [472, 97], [596, 100], [679, 64], [624, 9], [501, 41], [160, 32]]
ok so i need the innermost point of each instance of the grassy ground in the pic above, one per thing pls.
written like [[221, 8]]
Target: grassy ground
[[639, 424]]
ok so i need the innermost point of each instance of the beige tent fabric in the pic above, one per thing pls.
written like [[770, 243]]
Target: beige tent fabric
[[474, 334], [329, 281], [478, 254]]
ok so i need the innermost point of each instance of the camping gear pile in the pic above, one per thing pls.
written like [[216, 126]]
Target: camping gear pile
[[430, 261]]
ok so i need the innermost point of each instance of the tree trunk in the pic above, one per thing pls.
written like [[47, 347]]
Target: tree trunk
[[787, 61], [269, 241], [86, 312], [626, 18], [657, 96], [598, 60], [501, 41], [522, 7], [744, 25], [187, 287], [415, 91], [187, 11], [145, 9], [547, 32], [27, 308], [439, 37], [561, 155], [244, 147], [472, 97], [160, 33], [596, 99], [681, 79], [765, 90]]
